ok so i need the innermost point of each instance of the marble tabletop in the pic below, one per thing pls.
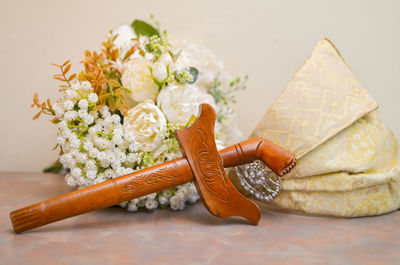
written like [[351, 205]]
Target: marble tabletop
[[192, 236]]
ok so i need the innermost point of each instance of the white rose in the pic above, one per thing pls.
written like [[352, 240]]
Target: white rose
[[180, 102], [208, 64], [146, 124], [137, 77]]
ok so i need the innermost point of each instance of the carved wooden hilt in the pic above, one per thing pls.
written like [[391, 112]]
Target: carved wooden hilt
[[202, 161], [219, 195]]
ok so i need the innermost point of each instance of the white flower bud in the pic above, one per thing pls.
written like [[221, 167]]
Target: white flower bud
[[159, 71]]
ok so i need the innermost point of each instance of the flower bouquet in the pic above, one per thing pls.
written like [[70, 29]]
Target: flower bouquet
[[119, 114]]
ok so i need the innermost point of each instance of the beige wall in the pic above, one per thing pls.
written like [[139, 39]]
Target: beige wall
[[268, 40]]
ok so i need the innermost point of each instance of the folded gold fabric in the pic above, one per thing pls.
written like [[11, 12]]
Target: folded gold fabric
[[347, 158]]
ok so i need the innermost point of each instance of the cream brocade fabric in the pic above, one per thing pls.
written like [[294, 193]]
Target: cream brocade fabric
[[347, 158]]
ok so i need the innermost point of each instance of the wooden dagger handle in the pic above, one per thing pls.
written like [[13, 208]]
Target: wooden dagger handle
[[147, 181], [276, 158]]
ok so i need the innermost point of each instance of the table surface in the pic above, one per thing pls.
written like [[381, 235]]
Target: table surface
[[192, 236]]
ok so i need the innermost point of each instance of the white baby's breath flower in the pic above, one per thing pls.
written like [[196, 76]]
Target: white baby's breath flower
[[100, 178], [167, 193], [75, 85], [110, 156], [134, 147], [87, 145], [180, 102], [105, 112], [70, 180], [91, 174], [123, 146], [93, 97], [117, 139], [94, 113], [147, 124], [82, 113], [128, 171], [132, 158], [137, 78], [81, 157], [71, 115], [94, 130], [109, 173], [132, 207], [71, 94], [74, 141], [105, 163], [120, 156], [129, 137], [63, 125], [76, 172], [66, 133], [102, 155], [88, 119], [120, 171], [151, 204], [115, 165], [59, 109], [90, 164], [94, 152], [61, 140], [67, 160], [163, 200], [86, 85], [115, 118], [83, 104], [177, 202], [68, 105], [102, 143]]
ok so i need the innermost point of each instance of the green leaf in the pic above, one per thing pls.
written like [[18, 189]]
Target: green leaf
[[175, 56], [55, 168], [142, 28]]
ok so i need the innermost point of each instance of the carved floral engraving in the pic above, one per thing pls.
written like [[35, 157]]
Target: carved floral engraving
[[208, 164], [146, 182]]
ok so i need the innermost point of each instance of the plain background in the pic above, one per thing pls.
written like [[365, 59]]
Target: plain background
[[269, 40]]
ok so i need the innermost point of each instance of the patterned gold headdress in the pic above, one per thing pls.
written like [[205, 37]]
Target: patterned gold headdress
[[348, 163]]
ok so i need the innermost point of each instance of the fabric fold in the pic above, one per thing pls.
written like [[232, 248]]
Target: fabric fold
[[347, 158]]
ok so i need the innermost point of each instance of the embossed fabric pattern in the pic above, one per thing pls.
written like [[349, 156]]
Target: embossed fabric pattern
[[347, 158]]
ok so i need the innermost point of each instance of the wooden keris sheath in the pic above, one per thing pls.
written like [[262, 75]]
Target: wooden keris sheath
[[202, 161]]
